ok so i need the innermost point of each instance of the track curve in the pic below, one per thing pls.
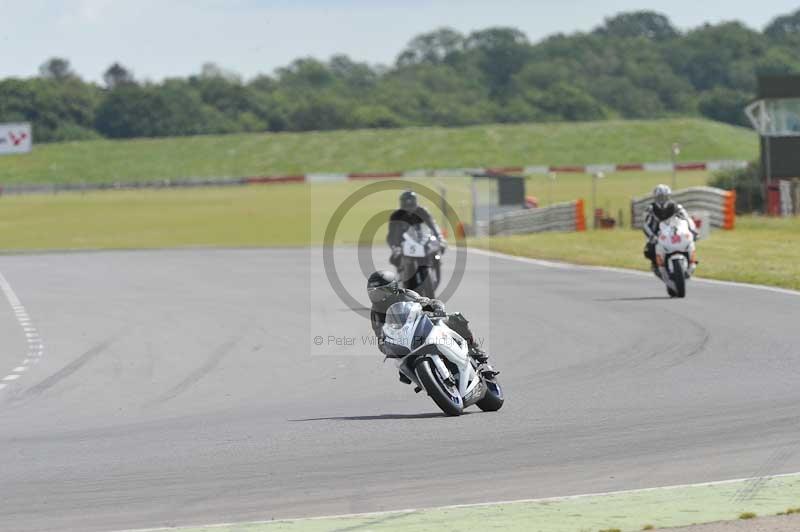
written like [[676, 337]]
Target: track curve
[[184, 387]]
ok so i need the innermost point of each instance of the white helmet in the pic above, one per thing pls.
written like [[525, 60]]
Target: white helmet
[[662, 195]]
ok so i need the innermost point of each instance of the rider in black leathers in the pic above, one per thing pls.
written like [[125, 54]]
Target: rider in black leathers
[[384, 291], [410, 213]]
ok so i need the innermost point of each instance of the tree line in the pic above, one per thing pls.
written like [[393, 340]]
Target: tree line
[[634, 65]]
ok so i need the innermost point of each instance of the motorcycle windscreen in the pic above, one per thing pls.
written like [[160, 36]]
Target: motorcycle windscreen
[[675, 234], [420, 232]]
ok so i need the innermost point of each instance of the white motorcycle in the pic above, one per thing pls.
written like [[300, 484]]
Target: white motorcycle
[[675, 254], [420, 261], [436, 359]]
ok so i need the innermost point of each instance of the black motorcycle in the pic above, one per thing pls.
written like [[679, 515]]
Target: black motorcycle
[[420, 260]]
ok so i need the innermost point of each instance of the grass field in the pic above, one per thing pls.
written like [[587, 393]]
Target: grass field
[[287, 214], [760, 250], [275, 215], [377, 150]]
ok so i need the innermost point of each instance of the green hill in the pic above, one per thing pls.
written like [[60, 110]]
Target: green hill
[[377, 150]]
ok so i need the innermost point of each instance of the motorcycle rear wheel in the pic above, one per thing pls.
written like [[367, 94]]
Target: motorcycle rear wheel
[[493, 400]]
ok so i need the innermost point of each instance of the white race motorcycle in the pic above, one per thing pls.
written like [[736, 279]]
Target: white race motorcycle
[[436, 359], [676, 257], [420, 261]]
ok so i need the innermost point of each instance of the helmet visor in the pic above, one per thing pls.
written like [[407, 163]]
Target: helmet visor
[[662, 195], [408, 202]]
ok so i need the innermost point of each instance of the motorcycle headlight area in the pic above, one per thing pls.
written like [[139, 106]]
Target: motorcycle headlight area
[[406, 327], [400, 313]]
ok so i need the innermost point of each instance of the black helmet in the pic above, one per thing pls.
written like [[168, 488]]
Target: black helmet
[[408, 200], [381, 284]]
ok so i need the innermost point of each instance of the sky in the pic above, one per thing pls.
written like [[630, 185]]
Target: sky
[[168, 38]]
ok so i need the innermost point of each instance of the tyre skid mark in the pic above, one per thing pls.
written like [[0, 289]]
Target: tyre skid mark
[[67, 370], [216, 357]]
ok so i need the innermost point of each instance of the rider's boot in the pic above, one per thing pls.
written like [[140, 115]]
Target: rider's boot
[[459, 324], [654, 268], [662, 274], [480, 356], [477, 353]]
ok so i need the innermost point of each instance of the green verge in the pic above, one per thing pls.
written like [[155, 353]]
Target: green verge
[[254, 216], [760, 250], [377, 150], [626, 511], [273, 215]]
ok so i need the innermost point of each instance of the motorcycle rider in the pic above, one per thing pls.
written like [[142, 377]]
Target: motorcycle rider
[[663, 208], [410, 213], [384, 291]]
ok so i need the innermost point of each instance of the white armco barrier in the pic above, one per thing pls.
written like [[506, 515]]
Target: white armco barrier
[[720, 204], [559, 217]]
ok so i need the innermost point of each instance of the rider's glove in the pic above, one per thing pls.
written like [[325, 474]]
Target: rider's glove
[[396, 251]]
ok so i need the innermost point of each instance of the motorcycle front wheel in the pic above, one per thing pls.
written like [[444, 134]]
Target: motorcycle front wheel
[[445, 396], [679, 278]]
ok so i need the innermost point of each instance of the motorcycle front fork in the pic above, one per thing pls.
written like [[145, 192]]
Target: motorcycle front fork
[[662, 273]]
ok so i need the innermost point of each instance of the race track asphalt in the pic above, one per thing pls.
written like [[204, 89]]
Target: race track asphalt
[[185, 387]]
